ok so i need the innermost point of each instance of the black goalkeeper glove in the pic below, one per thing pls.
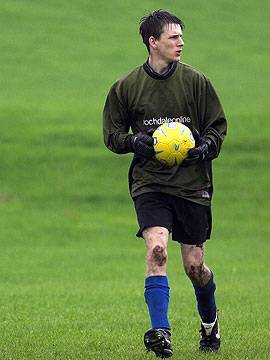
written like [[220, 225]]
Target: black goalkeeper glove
[[141, 145], [201, 151]]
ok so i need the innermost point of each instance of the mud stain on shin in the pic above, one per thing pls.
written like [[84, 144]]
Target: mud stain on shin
[[159, 255], [199, 275]]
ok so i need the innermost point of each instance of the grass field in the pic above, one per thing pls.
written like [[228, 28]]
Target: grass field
[[71, 268]]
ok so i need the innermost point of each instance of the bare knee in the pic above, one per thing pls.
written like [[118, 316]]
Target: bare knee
[[193, 261], [156, 239], [156, 263]]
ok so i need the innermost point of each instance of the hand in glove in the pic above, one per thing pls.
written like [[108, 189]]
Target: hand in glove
[[203, 147], [141, 145]]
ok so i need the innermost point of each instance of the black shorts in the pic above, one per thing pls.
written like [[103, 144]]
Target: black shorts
[[189, 222]]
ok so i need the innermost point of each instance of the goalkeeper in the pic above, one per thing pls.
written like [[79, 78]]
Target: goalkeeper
[[176, 200]]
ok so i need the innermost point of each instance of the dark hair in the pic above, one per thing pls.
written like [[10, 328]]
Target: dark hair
[[152, 24]]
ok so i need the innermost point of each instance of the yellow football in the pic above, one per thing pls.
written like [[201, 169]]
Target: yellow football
[[172, 142]]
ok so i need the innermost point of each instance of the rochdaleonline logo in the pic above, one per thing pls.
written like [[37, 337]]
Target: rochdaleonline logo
[[160, 120]]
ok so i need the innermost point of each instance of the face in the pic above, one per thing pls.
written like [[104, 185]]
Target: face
[[170, 44]]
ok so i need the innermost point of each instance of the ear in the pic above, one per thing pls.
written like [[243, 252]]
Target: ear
[[153, 42]]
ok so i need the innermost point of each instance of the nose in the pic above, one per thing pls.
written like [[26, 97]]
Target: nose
[[181, 42]]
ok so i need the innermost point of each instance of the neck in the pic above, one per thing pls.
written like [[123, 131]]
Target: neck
[[160, 66]]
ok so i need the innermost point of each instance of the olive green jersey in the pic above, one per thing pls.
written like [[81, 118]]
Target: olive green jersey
[[143, 100]]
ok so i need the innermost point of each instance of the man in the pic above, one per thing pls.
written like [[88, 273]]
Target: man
[[176, 200]]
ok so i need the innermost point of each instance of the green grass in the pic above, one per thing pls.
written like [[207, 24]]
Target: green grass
[[71, 269]]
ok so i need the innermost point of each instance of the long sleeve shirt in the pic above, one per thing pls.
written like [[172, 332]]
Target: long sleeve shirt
[[143, 100]]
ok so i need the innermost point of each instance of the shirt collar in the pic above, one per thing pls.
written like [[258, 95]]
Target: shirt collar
[[150, 71]]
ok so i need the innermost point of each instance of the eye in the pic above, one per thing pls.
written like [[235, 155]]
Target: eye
[[176, 37]]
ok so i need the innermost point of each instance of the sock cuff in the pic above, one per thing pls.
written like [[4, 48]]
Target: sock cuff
[[157, 280], [209, 324]]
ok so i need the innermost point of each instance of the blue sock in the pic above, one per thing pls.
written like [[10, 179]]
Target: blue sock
[[206, 301], [157, 298]]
